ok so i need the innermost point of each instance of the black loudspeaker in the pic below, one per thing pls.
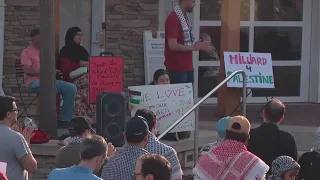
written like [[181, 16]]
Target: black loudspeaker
[[111, 114]]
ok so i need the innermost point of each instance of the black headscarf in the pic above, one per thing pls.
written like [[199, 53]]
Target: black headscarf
[[71, 50]]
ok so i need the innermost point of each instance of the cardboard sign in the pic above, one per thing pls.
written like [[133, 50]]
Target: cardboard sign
[[168, 102], [105, 75], [258, 68]]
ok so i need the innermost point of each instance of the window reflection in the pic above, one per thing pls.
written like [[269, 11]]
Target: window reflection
[[215, 33], [278, 10], [287, 82], [207, 80], [210, 10], [284, 43]]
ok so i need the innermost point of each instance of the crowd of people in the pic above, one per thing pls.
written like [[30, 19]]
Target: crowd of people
[[265, 152], [239, 153]]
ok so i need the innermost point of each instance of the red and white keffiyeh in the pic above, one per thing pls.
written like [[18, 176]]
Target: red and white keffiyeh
[[230, 161]]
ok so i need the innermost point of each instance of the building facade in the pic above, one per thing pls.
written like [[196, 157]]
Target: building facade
[[288, 29]]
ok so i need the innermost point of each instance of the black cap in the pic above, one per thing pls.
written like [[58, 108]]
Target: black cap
[[34, 32], [136, 129], [78, 125]]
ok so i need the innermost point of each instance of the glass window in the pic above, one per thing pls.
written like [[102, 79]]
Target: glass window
[[278, 10], [287, 82], [284, 43], [210, 10], [215, 34], [207, 80]]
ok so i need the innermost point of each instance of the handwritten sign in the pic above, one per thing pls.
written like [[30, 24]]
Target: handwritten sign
[[258, 68], [105, 76], [168, 102]]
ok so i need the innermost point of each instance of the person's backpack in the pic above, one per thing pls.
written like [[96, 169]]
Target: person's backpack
[[310, 166]]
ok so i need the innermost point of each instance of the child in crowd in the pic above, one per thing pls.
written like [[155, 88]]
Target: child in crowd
[[284, 168]]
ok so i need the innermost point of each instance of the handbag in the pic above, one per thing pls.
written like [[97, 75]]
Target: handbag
[[40, 137]]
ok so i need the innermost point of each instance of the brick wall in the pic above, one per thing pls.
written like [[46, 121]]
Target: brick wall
[[20, 19], [126, 21]]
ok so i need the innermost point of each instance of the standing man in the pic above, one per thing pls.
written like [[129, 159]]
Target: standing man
[[14, 148], [179, 45]]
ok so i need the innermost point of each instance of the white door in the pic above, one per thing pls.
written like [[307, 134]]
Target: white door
[[279, 27]]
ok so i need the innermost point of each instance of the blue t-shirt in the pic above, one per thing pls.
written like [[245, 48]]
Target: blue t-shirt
[[73, 172]]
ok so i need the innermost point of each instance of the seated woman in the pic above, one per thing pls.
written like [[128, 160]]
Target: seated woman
[[161, 76], [73, 56]]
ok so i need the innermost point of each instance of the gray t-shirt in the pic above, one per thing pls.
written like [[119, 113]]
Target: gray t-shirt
[[13, 147]]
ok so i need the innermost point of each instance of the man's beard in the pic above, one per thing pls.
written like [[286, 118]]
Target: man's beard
[[189, 10]]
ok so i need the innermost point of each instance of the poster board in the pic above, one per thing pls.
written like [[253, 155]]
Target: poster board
[[105, 75], [153, 55], [168, 102], [258, 68]]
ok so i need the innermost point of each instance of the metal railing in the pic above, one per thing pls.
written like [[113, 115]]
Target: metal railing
[[195, 107]]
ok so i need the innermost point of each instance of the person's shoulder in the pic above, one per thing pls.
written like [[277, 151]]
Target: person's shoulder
[[286, 134], [172, 18], [57, 172]]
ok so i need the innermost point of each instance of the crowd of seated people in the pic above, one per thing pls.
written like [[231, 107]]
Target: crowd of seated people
[[240, 153]]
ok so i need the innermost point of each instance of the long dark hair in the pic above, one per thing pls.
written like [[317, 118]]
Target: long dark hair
[[157, 74]]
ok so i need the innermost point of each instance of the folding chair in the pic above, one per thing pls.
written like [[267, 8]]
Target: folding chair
[[20, 83]]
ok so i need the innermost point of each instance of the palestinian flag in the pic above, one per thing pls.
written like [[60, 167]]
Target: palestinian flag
[[135, 97]]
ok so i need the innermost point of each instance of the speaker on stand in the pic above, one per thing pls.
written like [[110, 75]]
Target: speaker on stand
[[111, 114]]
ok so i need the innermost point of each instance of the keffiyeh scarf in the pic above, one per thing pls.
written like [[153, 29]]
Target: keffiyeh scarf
[[209, 146], [316, 142], [75, 140], [186, 26], [154, 146], [231, 161], [281, 165]]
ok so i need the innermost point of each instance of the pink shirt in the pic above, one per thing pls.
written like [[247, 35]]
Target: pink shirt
[[30, 56]]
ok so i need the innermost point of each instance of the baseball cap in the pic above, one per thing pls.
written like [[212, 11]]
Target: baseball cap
[[136, 128], [239, 124], [34, 32], [222, 126], [79, 124]]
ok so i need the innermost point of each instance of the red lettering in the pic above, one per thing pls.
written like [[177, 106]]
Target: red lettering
[[264, 61], [235, 58], [259, 61], [181, 92]]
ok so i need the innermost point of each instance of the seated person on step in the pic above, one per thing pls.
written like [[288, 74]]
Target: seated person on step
[[30, 60], [74, 57]]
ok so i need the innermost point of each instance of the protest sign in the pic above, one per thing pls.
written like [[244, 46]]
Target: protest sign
[[168, 102], [258, 68], [105, 75]]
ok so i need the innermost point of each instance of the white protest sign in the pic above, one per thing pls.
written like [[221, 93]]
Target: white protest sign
[[168, 102], [258, 68]]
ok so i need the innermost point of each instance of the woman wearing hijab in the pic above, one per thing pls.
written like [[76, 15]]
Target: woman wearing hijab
[[310, 161], [73, 56], [284, 168]]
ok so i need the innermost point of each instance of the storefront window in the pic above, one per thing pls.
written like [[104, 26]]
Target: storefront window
[[284, 43], [287, 82], [274, 26], [210, 10], [208, 75], [278, 10]]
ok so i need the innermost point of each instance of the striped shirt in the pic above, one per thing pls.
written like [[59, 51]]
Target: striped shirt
[[122, 165], [156, 147]]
